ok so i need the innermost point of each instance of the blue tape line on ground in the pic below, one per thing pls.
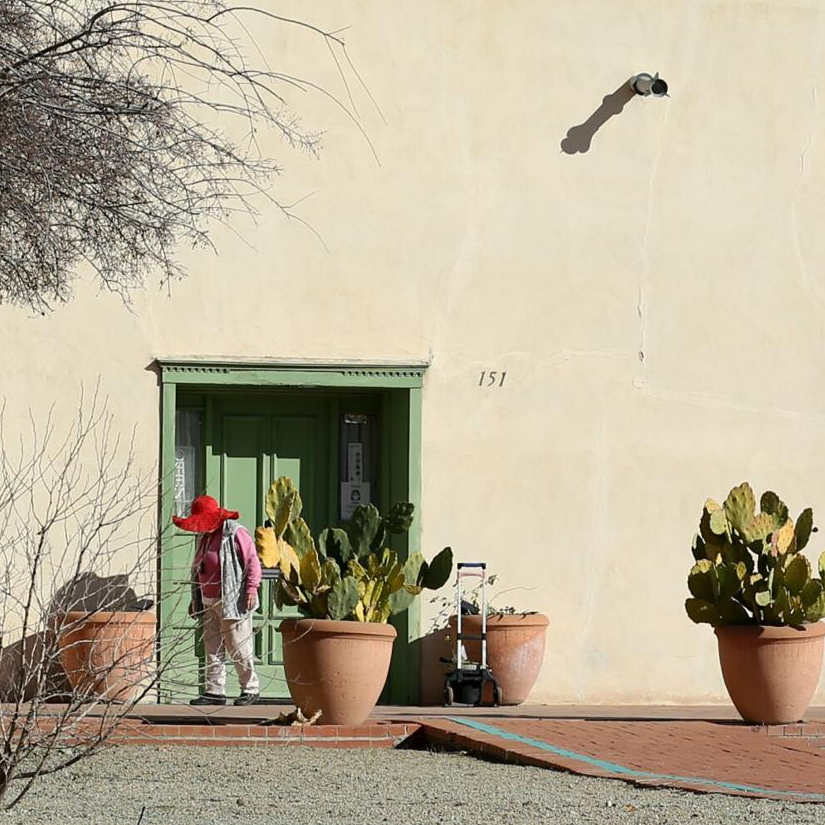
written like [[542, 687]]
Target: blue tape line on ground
[[622, 770]]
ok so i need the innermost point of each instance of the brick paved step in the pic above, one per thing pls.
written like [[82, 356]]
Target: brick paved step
[[369, 735], [721, 757]]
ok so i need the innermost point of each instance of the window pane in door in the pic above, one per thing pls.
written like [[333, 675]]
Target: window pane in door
[[188, 458], [357, 465]]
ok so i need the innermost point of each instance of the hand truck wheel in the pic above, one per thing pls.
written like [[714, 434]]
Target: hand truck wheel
[[448, 696], [498, 696]]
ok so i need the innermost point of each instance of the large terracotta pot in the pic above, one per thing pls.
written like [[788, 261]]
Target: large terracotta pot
[[771, 673], [338, 668], [108, 654], [515, 650]]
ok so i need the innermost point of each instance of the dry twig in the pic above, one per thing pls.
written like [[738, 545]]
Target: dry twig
[[111, 151], [77, 533]]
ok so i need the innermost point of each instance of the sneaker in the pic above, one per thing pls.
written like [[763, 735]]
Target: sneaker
[[209, 699], [246, 699]]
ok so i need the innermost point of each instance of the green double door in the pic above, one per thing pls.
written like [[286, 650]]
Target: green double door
[[238, 444]]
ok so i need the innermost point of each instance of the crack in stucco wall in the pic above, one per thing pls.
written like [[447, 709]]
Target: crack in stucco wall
[[644, 276], [600, 484], [682, 68], [714, 401], [562, 356], [808, 279]]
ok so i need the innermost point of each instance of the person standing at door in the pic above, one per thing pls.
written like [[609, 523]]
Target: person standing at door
[[226, 573]]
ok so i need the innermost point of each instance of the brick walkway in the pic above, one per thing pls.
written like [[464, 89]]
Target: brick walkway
[[716, 757], [701, 749], [377, 735]]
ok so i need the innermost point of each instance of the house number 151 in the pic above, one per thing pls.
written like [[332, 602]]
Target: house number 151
[[492, 378]]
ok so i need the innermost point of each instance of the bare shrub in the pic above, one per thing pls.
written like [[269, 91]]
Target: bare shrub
[[78, 542]]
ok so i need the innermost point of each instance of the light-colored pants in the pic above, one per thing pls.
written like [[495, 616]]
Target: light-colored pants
[[232, 636]]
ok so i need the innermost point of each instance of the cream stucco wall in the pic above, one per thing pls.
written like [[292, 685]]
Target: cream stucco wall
[[657, 302]]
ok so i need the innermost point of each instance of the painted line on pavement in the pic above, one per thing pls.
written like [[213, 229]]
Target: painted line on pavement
[[623, 770]]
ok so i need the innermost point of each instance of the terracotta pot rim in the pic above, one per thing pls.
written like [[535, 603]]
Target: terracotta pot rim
[[340, 628], [111, 616], [520, 619], [786, 633]]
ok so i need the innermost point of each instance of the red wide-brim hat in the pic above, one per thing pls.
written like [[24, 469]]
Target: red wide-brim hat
[[206, 516]]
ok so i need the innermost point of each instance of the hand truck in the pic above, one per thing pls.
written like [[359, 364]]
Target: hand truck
[[465, 683]]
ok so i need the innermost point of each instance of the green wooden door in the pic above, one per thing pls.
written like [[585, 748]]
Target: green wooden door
[[244, 440], [255, 442]]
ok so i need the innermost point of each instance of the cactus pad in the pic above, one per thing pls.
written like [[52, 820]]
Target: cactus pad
[[342, 598], [334, 543], [298, 535], [804, 526], [282, 504], [400, 517], [267, 546], [739, 506]]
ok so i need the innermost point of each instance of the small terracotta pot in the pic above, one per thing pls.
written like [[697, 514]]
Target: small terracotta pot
[[771, 673], [108, 654], [338, 668], [515, 650]]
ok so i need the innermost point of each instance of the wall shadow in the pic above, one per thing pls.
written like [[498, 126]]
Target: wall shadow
[[89, 592], [21, 664], [429, 649], [578, 138], [24, 662]]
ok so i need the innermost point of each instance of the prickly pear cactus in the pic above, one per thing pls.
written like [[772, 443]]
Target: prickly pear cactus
[[749, 568], [348, 573]]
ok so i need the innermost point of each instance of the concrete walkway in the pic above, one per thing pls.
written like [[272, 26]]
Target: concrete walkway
[[720, 713]]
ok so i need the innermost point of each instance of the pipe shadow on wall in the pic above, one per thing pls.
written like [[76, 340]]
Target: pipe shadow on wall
[[578, 138]]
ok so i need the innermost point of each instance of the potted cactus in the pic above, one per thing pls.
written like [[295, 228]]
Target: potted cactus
[[752, 582], [346, 585]]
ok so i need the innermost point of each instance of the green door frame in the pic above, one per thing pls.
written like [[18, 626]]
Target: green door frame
[[404, 682]]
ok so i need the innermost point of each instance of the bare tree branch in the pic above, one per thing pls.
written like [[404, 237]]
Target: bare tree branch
[[110, 148], [78, 542]]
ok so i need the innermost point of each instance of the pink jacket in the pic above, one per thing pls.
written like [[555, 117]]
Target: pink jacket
[[207, 563]]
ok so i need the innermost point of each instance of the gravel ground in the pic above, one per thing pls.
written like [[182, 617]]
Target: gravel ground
[[303, 786]]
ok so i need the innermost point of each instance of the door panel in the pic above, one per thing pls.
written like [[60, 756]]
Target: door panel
[[242, 450], [286, 437]]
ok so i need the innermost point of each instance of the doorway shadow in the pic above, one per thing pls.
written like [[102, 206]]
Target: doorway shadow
[[429, 649], [579, 138]]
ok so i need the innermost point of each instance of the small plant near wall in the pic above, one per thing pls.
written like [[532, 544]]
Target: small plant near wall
[[753, 584], [471, 603]]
